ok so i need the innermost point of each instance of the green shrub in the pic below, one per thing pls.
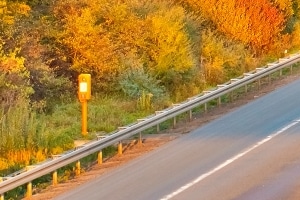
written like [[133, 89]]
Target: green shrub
[[135, 82]]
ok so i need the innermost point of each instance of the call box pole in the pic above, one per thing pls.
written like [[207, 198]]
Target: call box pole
[[84, 118], [84, 94]]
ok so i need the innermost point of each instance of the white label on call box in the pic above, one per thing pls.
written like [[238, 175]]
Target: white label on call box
[[83, 87]]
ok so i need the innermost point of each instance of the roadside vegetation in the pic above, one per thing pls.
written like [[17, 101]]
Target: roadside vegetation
[[143, 56]]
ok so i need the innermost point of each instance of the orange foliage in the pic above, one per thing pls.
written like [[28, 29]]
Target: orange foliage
[[295, 36], [257, 23], [286, 6], [20, 156], [21, 8]]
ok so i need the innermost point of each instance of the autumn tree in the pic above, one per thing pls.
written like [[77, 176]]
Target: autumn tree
[[296, 31], [10, 12], [14, 78], [171, 46], [287, 7], [101, 37], [222, 59], [106, 39], [257, 23]]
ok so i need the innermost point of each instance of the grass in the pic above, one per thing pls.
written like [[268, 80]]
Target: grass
[[30, 137]]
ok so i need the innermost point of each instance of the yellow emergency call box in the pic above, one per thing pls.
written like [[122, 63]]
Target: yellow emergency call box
[[84, 89]]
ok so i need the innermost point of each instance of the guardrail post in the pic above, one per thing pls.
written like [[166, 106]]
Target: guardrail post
[[280, 72], [140, 139], [1, 195], [258, 84], [120, 149], [219, 101], [54, 178], [190, 115], [29, 190], [100, 157], [205, 107], [246, 88], [230, 96], [174, 122], [157, 126], [77, 168], [291, 69], [269, 78]]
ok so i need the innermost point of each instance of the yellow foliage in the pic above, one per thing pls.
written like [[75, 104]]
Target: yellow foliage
[[10, 10], [285, 6], [3, 7], [106, 37], [12, 63], [22, 9], [56, 150], [296, 36], [145, 101], [285, 43], [19, 156], [172, 49], [222, 59], [184, 91], [17, 82], [91, 48], [40, 155], [4, 164]]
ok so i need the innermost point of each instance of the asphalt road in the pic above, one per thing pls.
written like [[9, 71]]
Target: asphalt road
[[251, 153]]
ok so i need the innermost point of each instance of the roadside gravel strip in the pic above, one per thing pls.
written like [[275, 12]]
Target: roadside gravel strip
[[154, 141]]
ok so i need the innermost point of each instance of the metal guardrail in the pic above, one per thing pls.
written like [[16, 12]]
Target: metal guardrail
[[143, 124]]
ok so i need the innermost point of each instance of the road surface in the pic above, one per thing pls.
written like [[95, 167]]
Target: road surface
[[251, 153]]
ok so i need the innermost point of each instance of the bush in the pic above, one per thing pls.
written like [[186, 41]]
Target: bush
[[223, 59], [135, 82], [14, 78], [50, 89]]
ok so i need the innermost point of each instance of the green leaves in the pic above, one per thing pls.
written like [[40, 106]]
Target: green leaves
[[15, 82], [136, 82]]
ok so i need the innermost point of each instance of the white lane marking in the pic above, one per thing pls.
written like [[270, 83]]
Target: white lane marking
[[229, 161]]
